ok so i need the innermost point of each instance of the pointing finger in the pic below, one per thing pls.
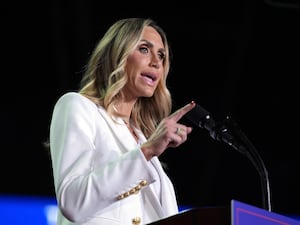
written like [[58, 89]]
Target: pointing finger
[[179, 113]]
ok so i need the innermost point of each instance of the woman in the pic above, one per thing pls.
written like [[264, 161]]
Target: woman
[[106, 138]]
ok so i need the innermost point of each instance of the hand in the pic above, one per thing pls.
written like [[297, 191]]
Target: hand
[[169, 133]]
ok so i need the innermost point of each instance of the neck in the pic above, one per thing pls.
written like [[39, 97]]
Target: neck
[[124, 109]]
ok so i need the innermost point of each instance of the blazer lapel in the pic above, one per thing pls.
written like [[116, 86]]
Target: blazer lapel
[[120, 131]]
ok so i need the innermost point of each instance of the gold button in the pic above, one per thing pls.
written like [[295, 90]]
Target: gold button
[[132, 191], [120, 197], [143, 182], [136, 220]]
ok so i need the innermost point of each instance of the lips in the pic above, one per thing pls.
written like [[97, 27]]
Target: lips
[[149, 78]]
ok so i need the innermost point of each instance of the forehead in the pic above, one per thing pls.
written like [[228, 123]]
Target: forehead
[[151, 35]]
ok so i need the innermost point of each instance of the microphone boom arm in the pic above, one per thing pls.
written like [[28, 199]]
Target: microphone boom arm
[[201, 118], [224, 134]]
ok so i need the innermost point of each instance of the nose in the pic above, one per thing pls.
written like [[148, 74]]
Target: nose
[[155, 65], [155, 61]]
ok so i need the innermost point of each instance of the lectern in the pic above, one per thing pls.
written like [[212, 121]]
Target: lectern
[[198, 216], [238, 213]]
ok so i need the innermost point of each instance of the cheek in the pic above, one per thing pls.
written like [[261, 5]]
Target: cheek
[[135, 65], [131, 64], [129, 70], [133, 59], [136, 59]]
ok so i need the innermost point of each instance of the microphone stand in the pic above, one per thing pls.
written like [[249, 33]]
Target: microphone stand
[[223, 132]]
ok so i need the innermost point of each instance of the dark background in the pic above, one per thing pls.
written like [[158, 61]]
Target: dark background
[[238, 58]]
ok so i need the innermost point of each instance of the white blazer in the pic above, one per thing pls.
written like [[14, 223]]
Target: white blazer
[[101, 177]]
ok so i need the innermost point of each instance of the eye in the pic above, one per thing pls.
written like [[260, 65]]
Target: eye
[[161, 55], [144, 49]]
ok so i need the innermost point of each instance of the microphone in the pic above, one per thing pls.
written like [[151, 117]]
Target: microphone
[[201, 118]]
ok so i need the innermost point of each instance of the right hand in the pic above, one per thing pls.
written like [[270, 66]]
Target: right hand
[[169, 133]]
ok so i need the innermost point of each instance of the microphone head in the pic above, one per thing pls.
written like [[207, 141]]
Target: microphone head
[[200, 117]]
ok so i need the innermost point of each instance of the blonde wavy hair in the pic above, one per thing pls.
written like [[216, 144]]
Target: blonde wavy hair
[[105, 75]]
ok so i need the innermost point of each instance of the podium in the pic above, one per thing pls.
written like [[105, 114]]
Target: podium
[[198, 216], [238, 213]]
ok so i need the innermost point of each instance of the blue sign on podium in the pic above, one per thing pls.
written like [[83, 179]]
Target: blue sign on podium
[[244, 214]]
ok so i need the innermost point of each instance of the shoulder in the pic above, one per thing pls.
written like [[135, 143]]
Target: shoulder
[[74, 100], [73, 97]]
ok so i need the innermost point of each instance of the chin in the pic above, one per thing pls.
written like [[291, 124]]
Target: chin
[[148, 95]]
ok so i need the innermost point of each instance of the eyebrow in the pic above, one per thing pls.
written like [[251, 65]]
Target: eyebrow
[[151, 45]]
